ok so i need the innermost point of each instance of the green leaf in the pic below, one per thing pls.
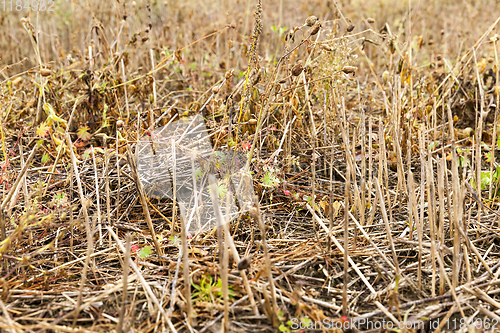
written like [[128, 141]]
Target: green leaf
[[86, 154], [83, 133], [198, 174], [104, 118], [283, 328], [463, 161], [487, 178], [221, 189], [42, 130], [145, 252], [306, 321], [270, 180], [45, 158], [51, 115], [174, 240], [60, 199], [488, 157]]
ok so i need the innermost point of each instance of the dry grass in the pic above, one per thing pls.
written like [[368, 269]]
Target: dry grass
[[366, 133]]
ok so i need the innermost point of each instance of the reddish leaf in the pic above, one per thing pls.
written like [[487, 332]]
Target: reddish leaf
[[43, 130]]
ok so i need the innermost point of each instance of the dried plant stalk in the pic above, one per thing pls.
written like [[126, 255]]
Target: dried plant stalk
[[125, 284]]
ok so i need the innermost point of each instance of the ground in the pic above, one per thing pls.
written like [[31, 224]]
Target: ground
[[355, 143]]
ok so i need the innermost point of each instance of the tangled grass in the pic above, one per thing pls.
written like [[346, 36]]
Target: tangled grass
[[370, 130]]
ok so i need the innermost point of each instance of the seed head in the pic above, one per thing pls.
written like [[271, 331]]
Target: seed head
[[420, 41], [385, 77], [244, 263], [45, 72], [119, 123], [297, 69], [254, 76], [370, 20], [229, 74], [311, 20], [326, 47], [350, 28], [254, 212], [315, 28], [86, 203], [349, 69]]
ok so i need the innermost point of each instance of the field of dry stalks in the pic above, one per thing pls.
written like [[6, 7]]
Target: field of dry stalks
[[369, 130]]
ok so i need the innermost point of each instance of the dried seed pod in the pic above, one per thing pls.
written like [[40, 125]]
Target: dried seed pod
[[311, 20], [229, 74], [215, 90], [119, 123], [392, 46], [315, 28], [244, 263], [385, 77], [297, 69], [252, 121], [86, 202], [326, 47], [370, 20], [255, 76], [349, 69], [439, 57], [254, 212], [350, 28], [237, 97], [45, 72], [420, 41]]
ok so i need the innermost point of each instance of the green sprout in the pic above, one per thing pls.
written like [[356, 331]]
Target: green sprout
[[210, 291]]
